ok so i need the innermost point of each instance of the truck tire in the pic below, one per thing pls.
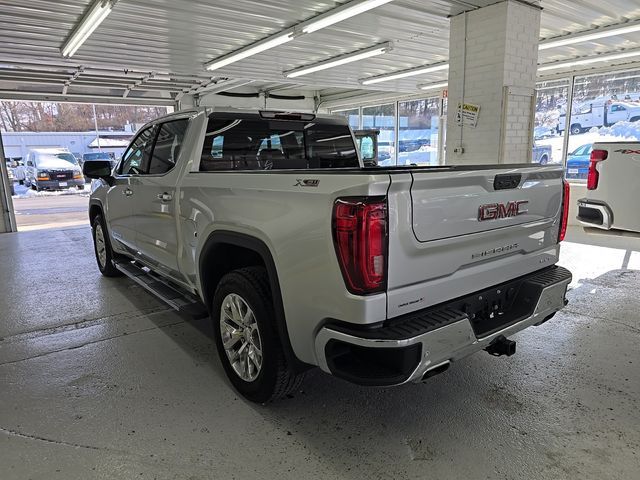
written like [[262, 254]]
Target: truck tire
[[544, 160], [246, 337], [576, 128], [102, 248]]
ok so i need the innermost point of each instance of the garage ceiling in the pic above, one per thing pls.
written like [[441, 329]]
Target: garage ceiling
[[153, 51]]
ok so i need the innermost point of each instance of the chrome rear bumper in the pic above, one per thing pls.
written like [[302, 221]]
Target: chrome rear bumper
[[454, 340]]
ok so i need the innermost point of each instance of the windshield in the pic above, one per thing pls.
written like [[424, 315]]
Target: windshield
[[48, 158], [233, 143], [96, 156]]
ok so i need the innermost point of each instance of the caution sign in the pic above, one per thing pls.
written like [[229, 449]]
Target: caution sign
[[468, 114]]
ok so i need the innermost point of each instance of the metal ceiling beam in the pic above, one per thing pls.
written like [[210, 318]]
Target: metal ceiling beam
[[77, 73]]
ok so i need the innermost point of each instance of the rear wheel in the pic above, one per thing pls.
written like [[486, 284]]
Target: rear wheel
[[576, 129], [246, 337], [544, 160], [102, 248]]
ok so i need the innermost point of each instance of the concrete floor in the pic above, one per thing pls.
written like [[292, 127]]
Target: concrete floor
[[100, 380]]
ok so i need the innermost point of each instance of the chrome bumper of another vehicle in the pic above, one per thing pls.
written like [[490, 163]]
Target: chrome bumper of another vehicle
[[594, 214]]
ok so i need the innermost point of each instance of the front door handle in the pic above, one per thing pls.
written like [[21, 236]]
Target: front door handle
[[128, 192], [165, 197]]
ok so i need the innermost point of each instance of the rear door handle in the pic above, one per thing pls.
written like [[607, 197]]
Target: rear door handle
[[128, 192], [165, 197]]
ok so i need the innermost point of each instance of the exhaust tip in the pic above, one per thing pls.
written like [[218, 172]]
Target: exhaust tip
[[432, 372]]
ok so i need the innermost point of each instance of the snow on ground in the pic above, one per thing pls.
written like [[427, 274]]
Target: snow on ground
[[623, 130], [25, 192]]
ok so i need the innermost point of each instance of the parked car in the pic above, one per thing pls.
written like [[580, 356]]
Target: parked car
[[542, 132], [578, 162], [99, 156], [541, 154], [302, 257], [52, 169], [612, 187]]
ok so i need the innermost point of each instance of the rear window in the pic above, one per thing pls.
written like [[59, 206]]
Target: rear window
[[49, 157], [257, 144]]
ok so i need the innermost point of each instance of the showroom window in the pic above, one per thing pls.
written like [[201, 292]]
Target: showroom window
[[353, 115], [383, 118], [418, 132], [606, 108], [551, 104]]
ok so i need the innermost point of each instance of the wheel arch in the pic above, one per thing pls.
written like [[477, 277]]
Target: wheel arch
[[95, 208], [224, 251]]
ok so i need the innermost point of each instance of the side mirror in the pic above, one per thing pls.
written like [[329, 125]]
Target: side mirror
[[97, 169]]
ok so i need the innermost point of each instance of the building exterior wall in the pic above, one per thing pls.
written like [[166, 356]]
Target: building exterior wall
[[17, 144]]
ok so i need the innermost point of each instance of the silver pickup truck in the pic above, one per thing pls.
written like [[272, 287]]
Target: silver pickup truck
[[269, 223]]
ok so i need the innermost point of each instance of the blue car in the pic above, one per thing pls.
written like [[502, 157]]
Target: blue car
[[578, 162]]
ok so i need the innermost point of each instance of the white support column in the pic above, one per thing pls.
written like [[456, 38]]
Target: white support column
[[8, 220], [493, 56]]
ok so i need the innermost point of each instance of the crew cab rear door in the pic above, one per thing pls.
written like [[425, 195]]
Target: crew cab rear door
[[467, 228]]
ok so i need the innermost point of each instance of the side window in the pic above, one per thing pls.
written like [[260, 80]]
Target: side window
[[167, 147], [136, 159]]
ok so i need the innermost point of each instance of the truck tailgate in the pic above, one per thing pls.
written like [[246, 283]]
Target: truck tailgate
[[458, 231], [457, 204]]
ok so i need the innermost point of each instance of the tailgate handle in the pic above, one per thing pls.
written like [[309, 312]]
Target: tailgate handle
[[506, 181]]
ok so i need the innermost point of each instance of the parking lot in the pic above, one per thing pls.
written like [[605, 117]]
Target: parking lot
[[37, 210]]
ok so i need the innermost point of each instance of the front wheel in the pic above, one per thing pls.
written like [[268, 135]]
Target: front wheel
[[102, 248], [246, 337]]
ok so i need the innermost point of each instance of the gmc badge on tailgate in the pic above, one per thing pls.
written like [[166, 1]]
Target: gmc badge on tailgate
[[493, 211]]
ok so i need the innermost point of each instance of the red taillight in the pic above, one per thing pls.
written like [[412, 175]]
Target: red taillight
[[594, 176], [565, 210], [360, 238]]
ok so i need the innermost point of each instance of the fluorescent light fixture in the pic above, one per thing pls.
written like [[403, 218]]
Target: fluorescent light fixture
[[432, 86], [341, 13], [589, 60], [321, 21], [406, 73], [248, 51], [88, 23], [588, 36], [341, 60]]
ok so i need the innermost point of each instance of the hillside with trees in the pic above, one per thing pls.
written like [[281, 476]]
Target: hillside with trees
[[71, 117]]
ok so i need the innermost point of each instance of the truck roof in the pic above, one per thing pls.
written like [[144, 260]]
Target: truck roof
[[335, 119]]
